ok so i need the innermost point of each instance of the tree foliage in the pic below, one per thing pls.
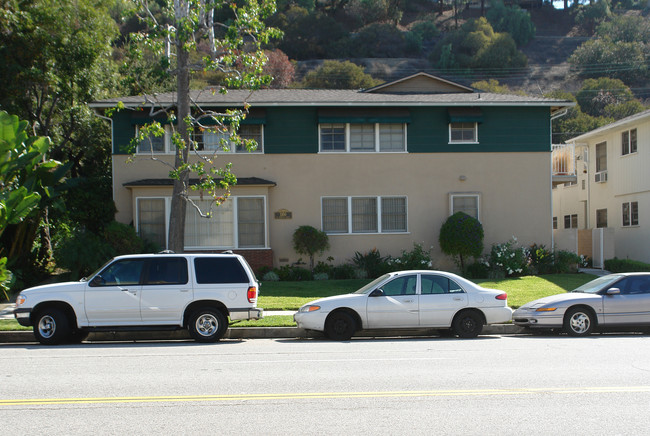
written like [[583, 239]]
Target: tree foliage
[[597, 94], [280, 68], [591, 15], [513, 20], [338, 75], [461, 236], [310, 241]]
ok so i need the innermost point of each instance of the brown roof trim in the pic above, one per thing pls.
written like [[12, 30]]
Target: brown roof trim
[[242, 181]]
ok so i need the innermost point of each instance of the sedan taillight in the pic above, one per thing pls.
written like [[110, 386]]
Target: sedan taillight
[[503, 296], [252, 294]]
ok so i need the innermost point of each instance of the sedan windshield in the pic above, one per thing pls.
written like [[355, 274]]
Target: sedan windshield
[[598, 284], [371, 286]]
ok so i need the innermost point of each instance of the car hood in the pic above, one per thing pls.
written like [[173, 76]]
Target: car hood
[[569, 297], [56, 287], [338, 300]]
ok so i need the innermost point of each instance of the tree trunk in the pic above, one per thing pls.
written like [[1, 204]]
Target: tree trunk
[[179, 204]]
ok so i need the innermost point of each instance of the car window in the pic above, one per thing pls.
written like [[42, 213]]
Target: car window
[[634, 285], [167, 271], [219, 270], [405, 285], [121, 273], [432, 284]]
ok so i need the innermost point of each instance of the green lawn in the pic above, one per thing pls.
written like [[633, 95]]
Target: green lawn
[[291, 295]]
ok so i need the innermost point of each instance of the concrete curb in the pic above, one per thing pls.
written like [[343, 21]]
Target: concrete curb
[[250, 333]]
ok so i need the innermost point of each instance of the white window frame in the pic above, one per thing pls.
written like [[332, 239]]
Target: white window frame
[[377, 130], [629, 214], [476, 195], [629, 143], [232, 149], [166, 142], [378, 199], [234, 199], [462, 141]]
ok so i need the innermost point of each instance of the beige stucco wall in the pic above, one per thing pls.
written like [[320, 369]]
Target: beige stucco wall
[[514, 188], [628, 181]]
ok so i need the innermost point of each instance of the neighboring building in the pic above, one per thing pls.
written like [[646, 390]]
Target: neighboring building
[[381, 168], [605, 210]]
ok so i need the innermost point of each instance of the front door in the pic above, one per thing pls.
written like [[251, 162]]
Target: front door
[[397, 306]]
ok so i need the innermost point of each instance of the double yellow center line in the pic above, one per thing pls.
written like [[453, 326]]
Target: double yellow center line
[[322, 395]]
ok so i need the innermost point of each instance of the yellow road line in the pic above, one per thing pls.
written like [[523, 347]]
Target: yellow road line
[[322, 395]]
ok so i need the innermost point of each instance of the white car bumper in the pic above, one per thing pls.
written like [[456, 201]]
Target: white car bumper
[[311, 320], [533, 319]]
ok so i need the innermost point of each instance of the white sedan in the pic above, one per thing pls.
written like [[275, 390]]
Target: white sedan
[[408, 299]]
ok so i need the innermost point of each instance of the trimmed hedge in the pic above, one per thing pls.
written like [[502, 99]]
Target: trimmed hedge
[[617, 265]]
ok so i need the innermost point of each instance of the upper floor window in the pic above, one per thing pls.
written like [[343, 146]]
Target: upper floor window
[[628, 142], [467, 203], [362, 137], [153, 144], [364, 214], [601, 218], [218, 140], [571, 221], [463, 132], [601, 157], [630, 214]]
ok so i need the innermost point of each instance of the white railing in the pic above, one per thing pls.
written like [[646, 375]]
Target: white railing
[[563, 158]]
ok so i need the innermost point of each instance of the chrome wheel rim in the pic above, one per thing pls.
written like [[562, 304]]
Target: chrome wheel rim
[[580, 322], [46, 326], [207, 324]]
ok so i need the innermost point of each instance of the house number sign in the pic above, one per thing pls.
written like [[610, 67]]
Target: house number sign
[[283, 214]]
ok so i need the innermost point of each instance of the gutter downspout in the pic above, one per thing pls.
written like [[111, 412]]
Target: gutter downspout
[[110, 120], [559, 114]]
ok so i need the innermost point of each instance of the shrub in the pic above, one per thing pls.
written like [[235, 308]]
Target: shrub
[[461, 236], [477, 270], [541, 260], [617, 265], [343, 272], [338, 75], [321, 276], [415, 259], [293, 273], [512, 20], [309, 240], [270, 277], [372, 263], [380, 40], [566, 262], [82, 254], [508, 258]]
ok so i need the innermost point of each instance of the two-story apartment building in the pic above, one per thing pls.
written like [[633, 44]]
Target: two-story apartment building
[[381, 168], [605, 211]]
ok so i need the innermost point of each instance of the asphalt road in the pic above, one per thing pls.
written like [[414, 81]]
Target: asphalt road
[[493, 385]]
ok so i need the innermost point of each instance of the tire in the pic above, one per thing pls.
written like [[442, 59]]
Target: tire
[[207, 325], [467, 325], [52, 327], [340, 326], [579, 322]]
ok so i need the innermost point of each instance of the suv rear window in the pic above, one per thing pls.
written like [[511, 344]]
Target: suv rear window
[[219, 270]]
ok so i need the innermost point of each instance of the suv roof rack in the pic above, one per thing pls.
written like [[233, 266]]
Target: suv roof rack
[[166, 252]]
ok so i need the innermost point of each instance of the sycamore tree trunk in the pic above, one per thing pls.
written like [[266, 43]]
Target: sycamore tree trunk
[[179, 204]]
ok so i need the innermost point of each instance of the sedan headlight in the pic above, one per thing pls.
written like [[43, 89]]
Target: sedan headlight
[[546, 309], [309, 308], [20, 299]]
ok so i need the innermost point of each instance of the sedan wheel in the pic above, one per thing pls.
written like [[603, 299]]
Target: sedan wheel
[[340, 326], [578, 322], [467, 325]]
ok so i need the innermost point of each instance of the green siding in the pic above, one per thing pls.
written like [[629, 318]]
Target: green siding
[[295, 130]]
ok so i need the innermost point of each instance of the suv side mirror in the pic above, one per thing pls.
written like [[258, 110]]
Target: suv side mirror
[[377, 293], [613, 291]]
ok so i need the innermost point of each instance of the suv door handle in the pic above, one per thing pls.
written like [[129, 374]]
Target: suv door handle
[[458, 299], [408, 301]]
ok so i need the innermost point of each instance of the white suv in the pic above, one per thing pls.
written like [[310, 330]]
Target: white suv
[[145, 292]]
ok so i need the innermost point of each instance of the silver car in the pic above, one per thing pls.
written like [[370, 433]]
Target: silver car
[[408, 299], [612, 302]]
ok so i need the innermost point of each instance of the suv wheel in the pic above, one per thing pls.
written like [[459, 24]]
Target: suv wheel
[[51, 327], [207, 325]]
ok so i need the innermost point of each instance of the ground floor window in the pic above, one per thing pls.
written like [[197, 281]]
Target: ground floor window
[[554, 223], [465, 202], [601, 218], [364, 214], [571, 221], [240, 222], [630, 214]]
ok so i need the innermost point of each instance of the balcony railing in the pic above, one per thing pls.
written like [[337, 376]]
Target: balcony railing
[[564, 163]]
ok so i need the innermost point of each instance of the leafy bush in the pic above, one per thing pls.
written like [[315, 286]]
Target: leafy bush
[[289, 273], [597, 94], [380, 40], [461, 236], [82, 254], [372, 263], [604, 57], [512, 20], [566, 262], [342, 272], [508, 258], [415, 259], [541, 260], [270, 276], [338, 75], [617, 265], [589, 16], [321, 276], [477, 270], [310, 241]]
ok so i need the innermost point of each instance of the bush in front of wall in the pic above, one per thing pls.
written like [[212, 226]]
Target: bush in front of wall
[[617, 265], [461, 237]]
